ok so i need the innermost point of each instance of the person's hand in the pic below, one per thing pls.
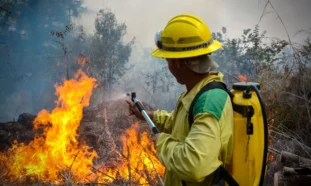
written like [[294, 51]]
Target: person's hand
[[134, 110]]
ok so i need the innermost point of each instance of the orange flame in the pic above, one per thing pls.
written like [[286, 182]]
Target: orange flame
[[56, 156], [139, 158], [57, 149], [242, 78], [271, 156]]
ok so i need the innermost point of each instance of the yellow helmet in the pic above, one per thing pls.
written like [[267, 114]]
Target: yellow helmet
[[184, 36]]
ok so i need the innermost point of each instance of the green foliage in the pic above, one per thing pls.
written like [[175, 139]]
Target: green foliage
[[249, 54], [109, 54]]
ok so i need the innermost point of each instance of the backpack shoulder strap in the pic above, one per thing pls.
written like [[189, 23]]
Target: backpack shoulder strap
[[207, 87], [221, 173]]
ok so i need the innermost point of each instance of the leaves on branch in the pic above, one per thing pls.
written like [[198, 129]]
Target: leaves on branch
[[61, 34]]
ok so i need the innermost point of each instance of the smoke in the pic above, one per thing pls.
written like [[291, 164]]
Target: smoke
[[145, 18], [33, 60], [119, 95]]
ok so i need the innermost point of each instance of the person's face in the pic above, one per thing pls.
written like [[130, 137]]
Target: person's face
[[175, 66]]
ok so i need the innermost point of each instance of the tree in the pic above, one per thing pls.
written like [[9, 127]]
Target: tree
[[159, 82], [250, 54], [109, 53], [28, 54]]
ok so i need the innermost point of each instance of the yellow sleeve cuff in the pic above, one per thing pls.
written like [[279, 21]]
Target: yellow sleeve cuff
[[156, 117]]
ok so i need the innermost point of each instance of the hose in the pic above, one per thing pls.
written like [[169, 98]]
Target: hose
[[264, 117]]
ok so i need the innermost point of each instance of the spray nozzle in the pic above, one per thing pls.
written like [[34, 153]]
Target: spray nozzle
[[132, 94], [143, 112]]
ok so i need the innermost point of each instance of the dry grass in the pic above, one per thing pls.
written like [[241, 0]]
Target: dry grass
[[287, 95]]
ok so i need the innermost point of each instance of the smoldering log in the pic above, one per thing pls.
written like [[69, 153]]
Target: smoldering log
[[293, 160], [296, 171], [282, 180]]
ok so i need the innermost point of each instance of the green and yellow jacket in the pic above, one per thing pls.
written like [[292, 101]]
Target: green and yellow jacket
[[193, 155]]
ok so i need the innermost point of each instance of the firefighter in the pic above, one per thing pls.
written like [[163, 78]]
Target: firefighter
[[192, 155]]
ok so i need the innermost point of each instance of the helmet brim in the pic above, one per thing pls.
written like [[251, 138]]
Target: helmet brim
[[215, 45]]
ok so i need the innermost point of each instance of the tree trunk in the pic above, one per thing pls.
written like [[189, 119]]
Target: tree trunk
[[289, 159], [296, 171]]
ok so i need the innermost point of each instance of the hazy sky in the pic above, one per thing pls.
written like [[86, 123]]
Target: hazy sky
[[145, 17]]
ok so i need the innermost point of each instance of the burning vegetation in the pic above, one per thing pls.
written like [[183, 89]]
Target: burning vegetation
[[57, 156], [242, 78]]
